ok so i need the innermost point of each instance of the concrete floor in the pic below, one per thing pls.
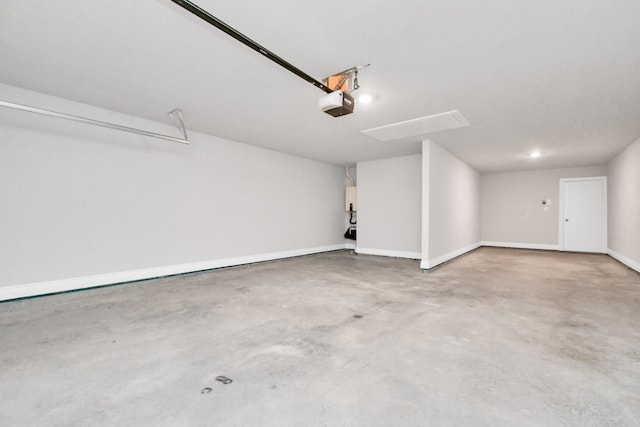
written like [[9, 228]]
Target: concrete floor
[[498, 337]]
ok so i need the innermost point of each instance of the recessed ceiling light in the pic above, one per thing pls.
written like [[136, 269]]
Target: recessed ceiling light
[[365, 98], [534, 154]]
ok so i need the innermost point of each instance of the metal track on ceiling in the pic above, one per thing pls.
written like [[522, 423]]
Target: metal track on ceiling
[[209, 18]]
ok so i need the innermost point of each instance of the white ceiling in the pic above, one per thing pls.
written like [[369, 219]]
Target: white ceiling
[[561, 77]]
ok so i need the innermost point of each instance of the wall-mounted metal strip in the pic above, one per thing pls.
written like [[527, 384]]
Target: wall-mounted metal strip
[[101, 123]]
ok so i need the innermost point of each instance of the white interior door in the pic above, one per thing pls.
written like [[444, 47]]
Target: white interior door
[[583, 214]]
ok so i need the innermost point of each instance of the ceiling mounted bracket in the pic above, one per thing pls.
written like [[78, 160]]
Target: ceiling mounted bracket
[[346, 80]]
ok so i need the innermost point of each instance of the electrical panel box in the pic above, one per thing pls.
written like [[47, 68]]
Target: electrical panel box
[[351, 199]]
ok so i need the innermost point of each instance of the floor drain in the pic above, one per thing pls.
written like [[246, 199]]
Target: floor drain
[[206, 390], [224, 380], [358, 316]]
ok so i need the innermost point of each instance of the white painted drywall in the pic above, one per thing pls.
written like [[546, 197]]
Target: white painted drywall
[[623, 193], [452, 189], [389, 206], [426, 185], [78, 200], [512, 210]]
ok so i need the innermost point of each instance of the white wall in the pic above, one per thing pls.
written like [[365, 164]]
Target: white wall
[[389, 206], [105, 206], [623, 190], [512, 213], [450, 219]]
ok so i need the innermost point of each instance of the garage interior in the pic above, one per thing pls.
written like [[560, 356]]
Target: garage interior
[[194, 269]]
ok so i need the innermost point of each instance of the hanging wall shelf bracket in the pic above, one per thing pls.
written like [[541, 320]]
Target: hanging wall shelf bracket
[[176, 115]]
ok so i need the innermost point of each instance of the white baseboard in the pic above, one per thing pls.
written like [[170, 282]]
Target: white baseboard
[[625, 260], [521, 245], [389, 253], [350, 245], [64, 285], [430, 263]]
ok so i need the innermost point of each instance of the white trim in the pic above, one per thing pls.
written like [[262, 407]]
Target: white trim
[[561, 222], [389, 253], [625, 260], [514, 245], [350, 245], [427, 264], [64, 285]]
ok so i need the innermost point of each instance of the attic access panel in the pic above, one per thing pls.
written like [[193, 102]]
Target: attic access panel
[[420, 126]]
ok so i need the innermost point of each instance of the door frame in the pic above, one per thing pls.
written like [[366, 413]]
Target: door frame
[[561, 221]]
